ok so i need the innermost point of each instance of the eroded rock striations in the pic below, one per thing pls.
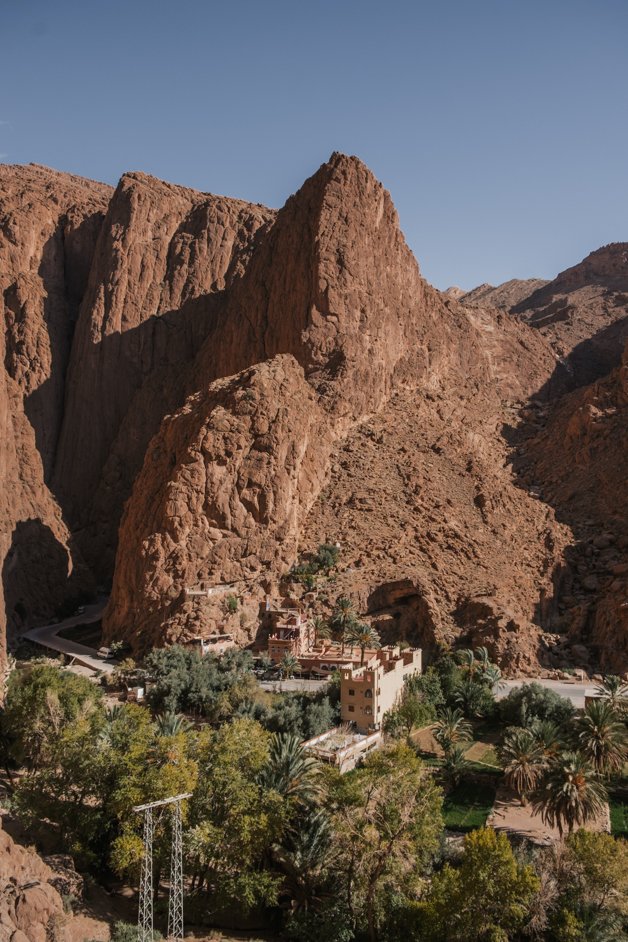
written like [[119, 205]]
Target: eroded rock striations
[[350, 306], [49, 223], [164, 260], [251, 382]]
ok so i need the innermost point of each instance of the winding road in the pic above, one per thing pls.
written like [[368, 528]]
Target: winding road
[[48, 637]]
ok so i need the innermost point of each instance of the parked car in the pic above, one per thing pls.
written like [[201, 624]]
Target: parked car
[[106, 653]]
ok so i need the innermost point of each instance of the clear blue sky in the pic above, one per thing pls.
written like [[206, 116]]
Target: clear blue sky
[[499, 126]]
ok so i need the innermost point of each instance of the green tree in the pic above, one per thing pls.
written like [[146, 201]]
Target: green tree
[[474, 697], [549, 737], [289, 665], [454, 765], [41, 700], [531, 702], [601, 737], [523, 757], [229, 842], [486, 899], [387, 826], [170, 724], [69, 789], [595, 870], [291, 772], [145, 766], [451, 728], [615, 691], [410, 713], [427, 685], [362, 636], [327, 556], [305, 856], [569, 793], [184, 681], [343, 616], [232, 603], [322, 630]]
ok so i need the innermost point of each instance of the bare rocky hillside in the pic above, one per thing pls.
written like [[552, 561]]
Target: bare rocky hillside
[[196, 390]]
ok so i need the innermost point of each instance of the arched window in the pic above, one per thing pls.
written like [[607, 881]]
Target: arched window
[[369, 694]]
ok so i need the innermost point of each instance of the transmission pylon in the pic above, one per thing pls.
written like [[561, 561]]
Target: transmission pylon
[[175, 901], [175, 898], [145, 912]]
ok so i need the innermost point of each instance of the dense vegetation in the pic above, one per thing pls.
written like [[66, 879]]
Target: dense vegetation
[[274, 839]]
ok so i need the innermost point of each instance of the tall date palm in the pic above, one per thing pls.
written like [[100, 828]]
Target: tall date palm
[[601, 737], [524, 760], [570, 793]]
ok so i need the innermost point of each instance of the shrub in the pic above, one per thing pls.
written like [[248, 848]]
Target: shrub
[[531, 702], [232, 604], [327, 556]]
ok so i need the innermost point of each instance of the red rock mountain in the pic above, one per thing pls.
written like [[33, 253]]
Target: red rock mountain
[[251, 382]]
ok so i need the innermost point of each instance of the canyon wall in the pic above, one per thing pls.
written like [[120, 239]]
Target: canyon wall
[[249, 382]]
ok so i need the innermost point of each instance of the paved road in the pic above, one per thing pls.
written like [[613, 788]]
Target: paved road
[[573, 692], [288, 686], [47, 636]]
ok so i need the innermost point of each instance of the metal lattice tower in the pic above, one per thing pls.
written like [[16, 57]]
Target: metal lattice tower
[[175, 899], [175, 902], [145, 912]]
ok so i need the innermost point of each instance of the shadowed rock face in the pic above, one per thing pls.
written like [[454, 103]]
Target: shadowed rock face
[[48, 228], [164, 259], [581, 457], [252, 382]]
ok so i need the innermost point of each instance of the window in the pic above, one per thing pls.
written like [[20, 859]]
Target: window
[[368, 710], [369, 694], [351, 692], [351, 709]]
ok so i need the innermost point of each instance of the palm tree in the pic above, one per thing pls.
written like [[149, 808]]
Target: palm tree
[[451, 729], [289, 665], [523, 757], [342, 617], [171, 724], [490, 674], [481, 656], [322, 630], [548, 735], [291, 771], [615, 691], [602, 737], [363, 636], [466, 658], [455, 764], [304, 856], [570, 793]]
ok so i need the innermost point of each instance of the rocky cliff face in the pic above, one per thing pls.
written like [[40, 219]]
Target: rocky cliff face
[[252, 382], [370, 338], [221, 499], [31, 906], [49, 223], [583, 312], [504, 296], [578, 458], [164, 260]]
